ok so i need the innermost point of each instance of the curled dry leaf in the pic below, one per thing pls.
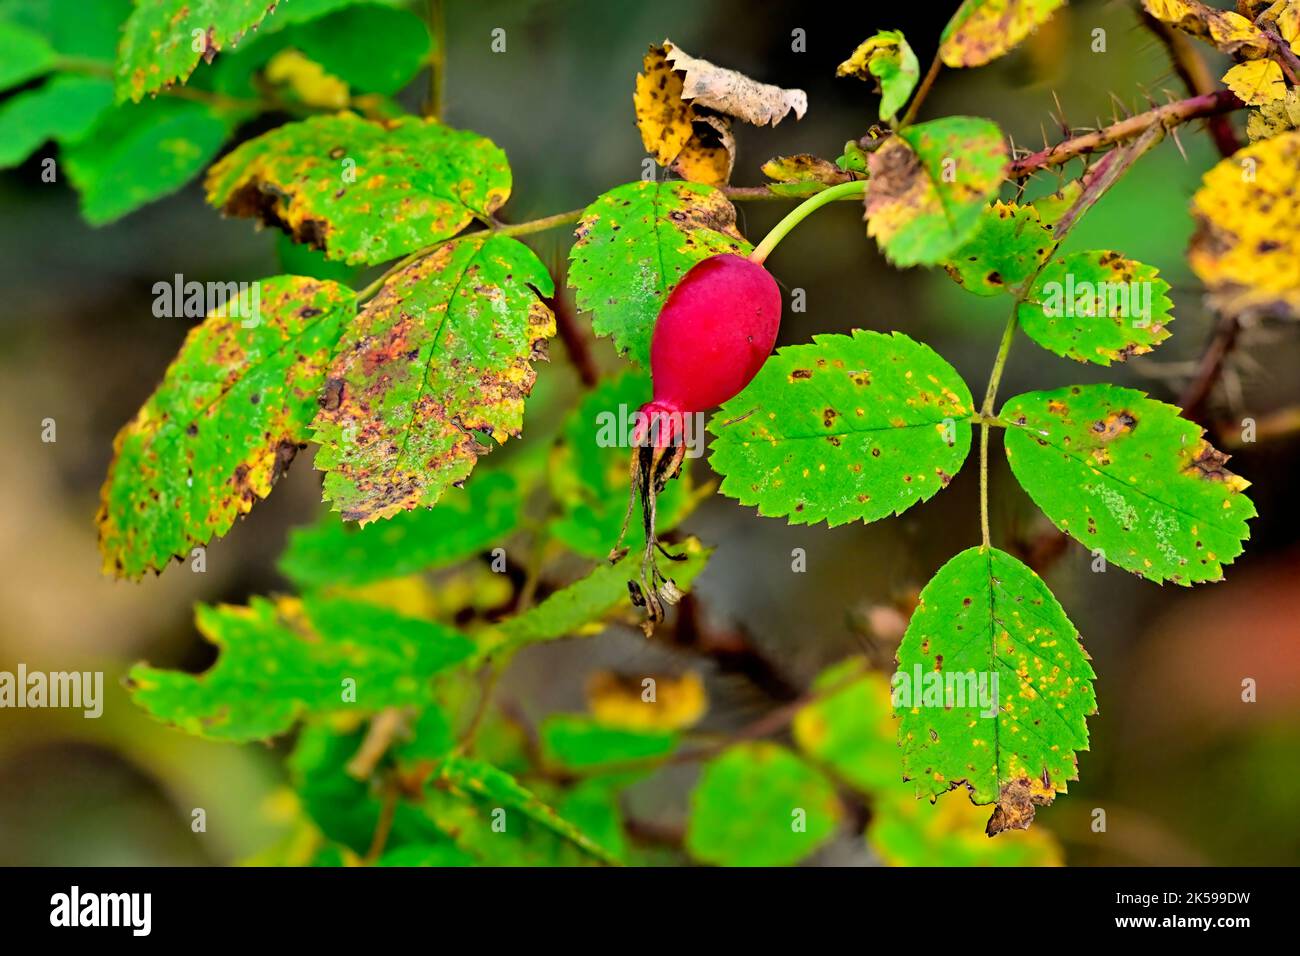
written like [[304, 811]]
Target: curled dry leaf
[[1270, 119], [684, 109], [1230, 32], [886, 58]]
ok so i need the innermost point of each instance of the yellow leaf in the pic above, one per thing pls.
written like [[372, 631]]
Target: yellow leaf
[[307, 80], [664, 118], [1230, 32], [1267, 121], [983, 30], [1256, 82], [1246, 247], [617, 701]]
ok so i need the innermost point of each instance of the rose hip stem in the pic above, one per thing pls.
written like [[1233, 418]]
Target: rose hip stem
[[800, 212]]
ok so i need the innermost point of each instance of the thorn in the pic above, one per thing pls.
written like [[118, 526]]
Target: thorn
[[1179, 143], [1060, 112]]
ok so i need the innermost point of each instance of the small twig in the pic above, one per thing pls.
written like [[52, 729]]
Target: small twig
[[574, 339], [1222, 342], [935, 65], [384, 728], [384, 825], [437, 59], [1191, 69]]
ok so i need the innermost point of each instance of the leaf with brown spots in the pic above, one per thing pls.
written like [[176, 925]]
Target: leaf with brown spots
[[929, 185], [1230, 32], [362, 191], [231, 413], [993, 689], [846, 428], [1097, 307], [886, 58], [1126, 476], [432, 372], [1246, 247], [803, 174], [160, 36], [634, 243], [983, 30], [1007, 247]]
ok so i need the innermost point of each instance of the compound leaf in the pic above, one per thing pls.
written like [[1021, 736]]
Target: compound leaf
[[442, 353], [983, 30], [1097, 307], [1246, 247], [467, 521], [163, 40], [776, 790], [232, 411], [929, 184], [281, 660], [1007, 247], [363, 191], [634, 243], [1124, 474], [846, 428], [993, 688]]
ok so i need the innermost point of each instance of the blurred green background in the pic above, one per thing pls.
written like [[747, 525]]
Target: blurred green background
[[1186, 772]]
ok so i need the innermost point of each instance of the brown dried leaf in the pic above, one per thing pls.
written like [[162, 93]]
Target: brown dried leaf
[[734, 93]]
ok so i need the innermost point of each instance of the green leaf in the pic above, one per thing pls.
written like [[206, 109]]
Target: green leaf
[[1097, 307], [282, 660], [929, 185], [983, 30], [906, 831], [589, 471], [160, 36], [1007, 247], [466, 522], [73, 27], [400, 34], [760, 805], [993, 688], [232, 411], [1123, 474], [887, 57], [24, 54], [850, 728], [588, 600], [847, 428], [440, 357], [634, 243], [361, 191], [580, 743], [486, 783], [426, 854], [137, 154], [347, 810], [64, 109]]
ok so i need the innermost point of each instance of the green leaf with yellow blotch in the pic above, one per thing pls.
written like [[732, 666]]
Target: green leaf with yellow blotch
[[575, 742], [993, 688], [580, 607], [1126, 476], [888, 59], [163, 40], [1246, 247], [847, 428], [230, 415], [849, 727], [282, 660], [758, 804], [1007, 247], [634, 243], [589, 473], [65, 109], [363, 191], [983, 30], [437, 364], [802, 174], [1097, 307], [905, 831], [466, 522], [929, 185], [141, 152]]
